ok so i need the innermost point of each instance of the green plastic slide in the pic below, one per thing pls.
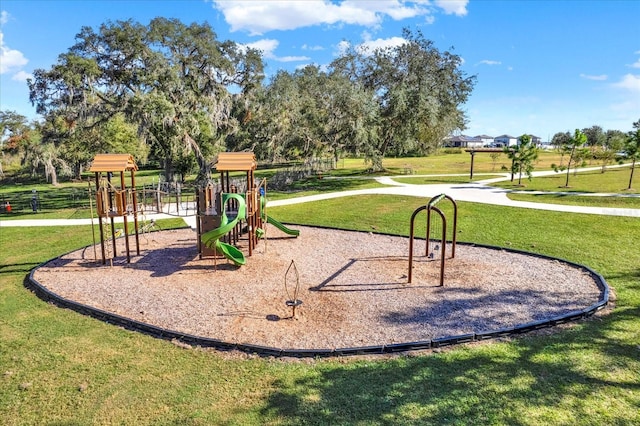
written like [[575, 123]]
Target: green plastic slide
[[230, 252], [274, 222], [281, 227], [211, 238]]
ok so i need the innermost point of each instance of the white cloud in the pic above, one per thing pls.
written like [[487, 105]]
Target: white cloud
[[10, 59], [368, 46], [260, 16], [489, 62], [292, 58], [601, 77], [4, 17], [268, 47], [396, 10], [312, 48], [455, 7], [21, 76], [629, 82], [342, 47]]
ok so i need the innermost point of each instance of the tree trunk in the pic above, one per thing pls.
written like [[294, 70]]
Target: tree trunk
[[513, 161], [633, 167], [54, 177], [520, 176], [50, 171], [168, 170], [78, 168], [204, 169]]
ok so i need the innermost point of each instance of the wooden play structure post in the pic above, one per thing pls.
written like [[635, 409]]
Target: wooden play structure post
[[429, 207], [113, 202]]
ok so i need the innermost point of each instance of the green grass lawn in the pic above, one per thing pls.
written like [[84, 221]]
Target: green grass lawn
[[60, 367], [431, 180], [612, 181], [577, 200], [315, 185], [447, 163], [70, 199]]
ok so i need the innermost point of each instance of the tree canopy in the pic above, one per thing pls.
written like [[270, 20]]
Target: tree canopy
[[574, 146], [175, 94], [174, 81], [418, 92], [522, 157], [190, 96]]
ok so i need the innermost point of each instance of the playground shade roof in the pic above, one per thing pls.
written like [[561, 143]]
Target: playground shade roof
[[113, 163], [236, 161]]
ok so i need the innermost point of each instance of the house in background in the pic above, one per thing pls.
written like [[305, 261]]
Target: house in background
[[481, 141], [505, 140], [463, 141], [486, 140], [536, 140]]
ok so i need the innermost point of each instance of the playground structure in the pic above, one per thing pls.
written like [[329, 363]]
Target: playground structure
[[113, 201], [222, 209], [431, 207], [359, 280], [225, 211]]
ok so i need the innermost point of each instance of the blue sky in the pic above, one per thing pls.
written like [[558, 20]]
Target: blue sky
[[542, 66]]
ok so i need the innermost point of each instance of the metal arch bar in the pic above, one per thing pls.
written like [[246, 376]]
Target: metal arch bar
[[432, 202], [455, 226], [443, 242], [411, 235]]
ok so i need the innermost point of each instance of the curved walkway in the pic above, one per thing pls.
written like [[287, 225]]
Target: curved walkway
[[476, 192]]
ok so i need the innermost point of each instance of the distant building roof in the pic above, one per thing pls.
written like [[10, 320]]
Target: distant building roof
[[484, 137], [464, 138]]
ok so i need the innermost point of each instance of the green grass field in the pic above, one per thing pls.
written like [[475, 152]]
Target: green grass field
[[443, 163], [612, 181], [71, 200], [59, 367]]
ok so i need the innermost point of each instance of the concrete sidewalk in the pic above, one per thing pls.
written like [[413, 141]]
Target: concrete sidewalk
[[476, 192], [473, 192]]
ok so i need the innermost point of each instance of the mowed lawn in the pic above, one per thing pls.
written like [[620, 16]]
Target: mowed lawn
[[552, 189], [59, 367], [450, 161]]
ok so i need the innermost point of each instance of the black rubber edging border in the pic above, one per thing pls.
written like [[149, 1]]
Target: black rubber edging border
[[166, 334]]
